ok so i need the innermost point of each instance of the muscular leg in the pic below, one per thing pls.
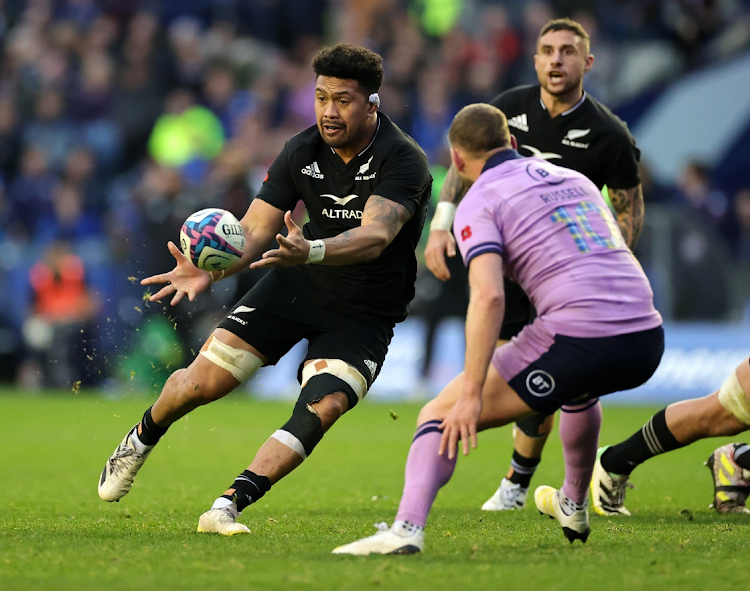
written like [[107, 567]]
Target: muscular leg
[[529, 439], [200, 383], [426, 471], [678, 425], [320, 405], [206, 379], [274, 460]]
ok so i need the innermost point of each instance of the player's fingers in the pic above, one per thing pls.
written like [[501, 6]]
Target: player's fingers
[[162, 293], [177, 298], [271, 253], [443, 440], [291, 226], [176, 252], [450, 248], [436, 264], [473, 436], [155, 279], [465, 439]]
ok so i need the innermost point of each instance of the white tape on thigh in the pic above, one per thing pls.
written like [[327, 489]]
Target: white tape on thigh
[[338, 368], [291, 442], [733, 398], [240, 363]]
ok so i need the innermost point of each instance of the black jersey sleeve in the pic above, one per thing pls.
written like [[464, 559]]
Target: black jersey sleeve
[[278, 188], [621, 158], [404, 177]]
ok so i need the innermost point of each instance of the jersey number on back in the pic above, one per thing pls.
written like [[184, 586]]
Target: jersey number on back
[[579, 225]]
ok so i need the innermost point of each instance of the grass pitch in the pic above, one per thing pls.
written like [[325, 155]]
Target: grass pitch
[[55, 533]]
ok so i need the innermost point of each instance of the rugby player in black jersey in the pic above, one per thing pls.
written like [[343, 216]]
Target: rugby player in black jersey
[[559, 121], [342, 282]]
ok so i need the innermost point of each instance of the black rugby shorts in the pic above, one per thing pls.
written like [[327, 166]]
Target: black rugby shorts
[[361, 345]]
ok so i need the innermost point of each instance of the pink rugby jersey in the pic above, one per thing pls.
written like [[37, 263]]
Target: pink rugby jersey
[[559, 241]]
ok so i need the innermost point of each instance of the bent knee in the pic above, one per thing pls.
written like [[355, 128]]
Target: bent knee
[[330, 407], [435, 410]]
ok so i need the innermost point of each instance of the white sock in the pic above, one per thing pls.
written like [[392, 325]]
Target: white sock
[[405, 528], [222, 502], [140, 447]]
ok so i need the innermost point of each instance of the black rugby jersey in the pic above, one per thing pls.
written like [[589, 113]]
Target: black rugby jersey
[[588, 137], [392, 166]]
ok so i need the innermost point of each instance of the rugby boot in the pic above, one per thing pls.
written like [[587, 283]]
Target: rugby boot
[[608, 490], [507, 497], [222, 521], [122, 466], [731, 482], [574, 522], [402, 538]]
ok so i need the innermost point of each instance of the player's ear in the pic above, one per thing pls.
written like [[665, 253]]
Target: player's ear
[[589, 63], [458, 162], [513, 142]]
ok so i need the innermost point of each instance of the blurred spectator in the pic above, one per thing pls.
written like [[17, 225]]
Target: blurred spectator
[[135, 106], [67, 221], [51, 131], [30, 194], [186, 133], [230, 105], [79, 171], [712, 205], [59, 330]]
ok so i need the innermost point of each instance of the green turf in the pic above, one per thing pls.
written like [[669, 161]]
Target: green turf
[[55, 533]]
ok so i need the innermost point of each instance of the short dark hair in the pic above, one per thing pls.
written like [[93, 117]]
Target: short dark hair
[[350, 62], [566, 24], [479, 128]]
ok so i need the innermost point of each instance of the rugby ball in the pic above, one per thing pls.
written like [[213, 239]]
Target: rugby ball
[[212, 239]]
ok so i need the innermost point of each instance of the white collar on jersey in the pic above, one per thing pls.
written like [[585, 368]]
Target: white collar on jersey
[[569, 111], [377, 129]]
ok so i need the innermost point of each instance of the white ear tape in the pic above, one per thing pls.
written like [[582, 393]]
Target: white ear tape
[[375, 99]]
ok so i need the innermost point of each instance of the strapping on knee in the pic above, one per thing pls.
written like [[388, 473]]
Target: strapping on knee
[[531, 426], [355, 383], [240, 363], [304, 429], [734, 399]]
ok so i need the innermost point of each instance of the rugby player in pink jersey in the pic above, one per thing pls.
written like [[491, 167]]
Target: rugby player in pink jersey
[[597, 331]]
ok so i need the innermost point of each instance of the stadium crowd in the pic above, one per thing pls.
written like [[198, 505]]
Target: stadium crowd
[[120, 118]]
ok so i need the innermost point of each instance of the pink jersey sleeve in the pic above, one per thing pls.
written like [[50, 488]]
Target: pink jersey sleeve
[[476, 227]]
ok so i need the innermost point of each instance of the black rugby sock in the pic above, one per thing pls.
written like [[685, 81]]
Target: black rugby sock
[[150, 431], [523, 469], [742, 455], [248, 487], [652, 439]]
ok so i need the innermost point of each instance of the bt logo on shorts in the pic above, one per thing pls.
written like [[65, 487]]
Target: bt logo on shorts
[[540, 383]]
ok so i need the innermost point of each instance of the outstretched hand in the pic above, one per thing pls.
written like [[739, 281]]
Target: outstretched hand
[[440, 244], [293, 248], [184, 279]]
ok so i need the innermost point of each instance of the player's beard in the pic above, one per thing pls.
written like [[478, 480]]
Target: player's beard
[[570, 85]]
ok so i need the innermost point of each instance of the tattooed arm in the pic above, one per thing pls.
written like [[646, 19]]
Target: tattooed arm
[[629, 209], [441, 242], [382, 219]]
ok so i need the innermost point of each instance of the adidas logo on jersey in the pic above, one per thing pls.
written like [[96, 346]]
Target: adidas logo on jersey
[[313, 170], [574, 134], [519, 122], [372, 366]]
